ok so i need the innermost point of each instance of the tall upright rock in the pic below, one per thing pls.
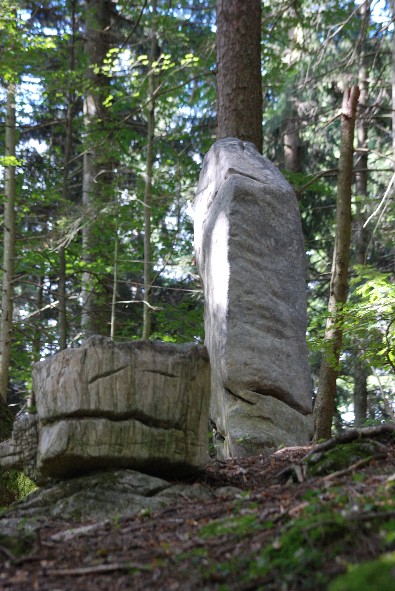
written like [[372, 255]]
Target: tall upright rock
[[250, 254]]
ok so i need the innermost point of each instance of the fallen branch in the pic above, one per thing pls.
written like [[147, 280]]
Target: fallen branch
[[353, 467], [351, 435], [98, 569], [371, 515]]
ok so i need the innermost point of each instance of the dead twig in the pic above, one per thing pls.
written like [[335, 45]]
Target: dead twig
[[351, 435], [97, 569], [353, 467]]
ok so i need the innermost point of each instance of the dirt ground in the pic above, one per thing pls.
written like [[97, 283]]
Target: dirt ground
[[224, 543]]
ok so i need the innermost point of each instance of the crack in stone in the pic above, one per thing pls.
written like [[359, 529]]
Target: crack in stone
[[106, 374], [277, 394], [115, 418], [161, 373]]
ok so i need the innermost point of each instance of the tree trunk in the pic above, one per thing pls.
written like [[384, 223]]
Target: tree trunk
[[148, 184], [68, 145], [360, 393], [393, 86], [8, 243], [239, 79], [325, 401], [62, 297], [36, 344], [96, 172], [292, 142], [360, 372], [114, 285]]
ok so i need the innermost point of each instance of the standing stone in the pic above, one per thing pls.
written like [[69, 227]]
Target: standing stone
[[250, 254], [141, 405]]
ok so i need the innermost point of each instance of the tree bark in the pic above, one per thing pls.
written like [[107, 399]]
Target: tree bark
[[393, 86], [68, 145], [361, 238], [96, 171], [9, 240], [147, 316], [239, 79], [114, 285], [325, 400], [292, 142], [36, 344]]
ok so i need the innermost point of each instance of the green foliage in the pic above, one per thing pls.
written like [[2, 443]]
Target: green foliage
[[370, 316]]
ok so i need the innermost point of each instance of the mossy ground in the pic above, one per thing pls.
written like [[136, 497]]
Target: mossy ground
[[322, 533], [375, 575], [342, 456]]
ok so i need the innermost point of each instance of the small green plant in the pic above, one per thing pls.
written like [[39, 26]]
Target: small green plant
[[14, 486], [116, 521]]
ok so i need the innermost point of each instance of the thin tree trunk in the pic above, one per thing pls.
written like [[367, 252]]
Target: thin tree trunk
[[325, 401], [96, 171], [292, 142], [147, 316], [62, 297], [239, 79], [68, 145], [36, 345], [393, 86], [360, 371], [360, 393], [8, 243], [114, 286]]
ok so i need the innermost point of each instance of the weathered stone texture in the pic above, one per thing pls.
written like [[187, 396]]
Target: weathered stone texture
[[140, 405], [102, 496], [20, 451], [250, 253]]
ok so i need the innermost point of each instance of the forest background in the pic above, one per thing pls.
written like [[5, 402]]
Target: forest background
[[107, 109]]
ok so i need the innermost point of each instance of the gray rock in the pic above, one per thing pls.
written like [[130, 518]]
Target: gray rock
[[105, 495], [261, 424], [20, 451], [250, 254], [72, 446], [140, 405]]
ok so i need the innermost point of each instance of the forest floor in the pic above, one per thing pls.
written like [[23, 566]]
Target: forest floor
[[293, 526]]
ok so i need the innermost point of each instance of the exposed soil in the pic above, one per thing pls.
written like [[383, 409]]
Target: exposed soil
[[235, 542]]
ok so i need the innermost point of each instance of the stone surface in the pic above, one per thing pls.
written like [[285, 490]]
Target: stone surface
[[140, 405], [262, 424], [106, 495], [20, 451], [250, 254]]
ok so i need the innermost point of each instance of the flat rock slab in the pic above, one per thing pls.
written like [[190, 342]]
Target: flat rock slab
[[250, 253], [106, 495], [140, 405]]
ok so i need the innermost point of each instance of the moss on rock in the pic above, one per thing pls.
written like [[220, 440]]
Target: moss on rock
[[341, 456], [14, 486]]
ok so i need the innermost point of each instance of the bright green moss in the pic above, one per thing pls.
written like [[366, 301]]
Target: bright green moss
[[14, 486], [376, 575]]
